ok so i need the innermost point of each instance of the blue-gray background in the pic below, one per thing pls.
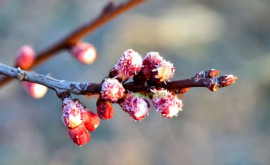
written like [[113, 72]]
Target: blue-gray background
[[227, 127]]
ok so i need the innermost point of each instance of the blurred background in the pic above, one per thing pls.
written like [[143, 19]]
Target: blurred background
[[227, 127]]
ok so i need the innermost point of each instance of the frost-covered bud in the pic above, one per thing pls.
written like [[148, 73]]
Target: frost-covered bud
[[150, 62], [79, 134], [25, 57], [91, 121], [226, 80], [112, 90], [84, 52], [104, 109], [37, 91], [73, 112], [128, 65], [137, 107], [163, 71], [167, 104]]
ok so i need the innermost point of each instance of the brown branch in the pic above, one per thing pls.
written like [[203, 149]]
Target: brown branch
[[87, 88], [109, 12]]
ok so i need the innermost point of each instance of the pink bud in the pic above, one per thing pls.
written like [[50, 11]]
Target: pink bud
[[84, 52], [35, 90], [164, 71], [79, 135], [104, 109], [25, 57], [112, 90], [73, 112], [166, 103], [128, 65], [150, 62], [137, 107]]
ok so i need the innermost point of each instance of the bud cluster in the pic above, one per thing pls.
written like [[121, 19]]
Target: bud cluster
[[152, 69], [152, 73], [78, 120]]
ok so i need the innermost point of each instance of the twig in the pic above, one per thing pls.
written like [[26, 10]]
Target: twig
[[86, 88], [109, 12]]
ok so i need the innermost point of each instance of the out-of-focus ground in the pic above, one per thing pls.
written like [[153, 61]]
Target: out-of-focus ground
[[227, 127]]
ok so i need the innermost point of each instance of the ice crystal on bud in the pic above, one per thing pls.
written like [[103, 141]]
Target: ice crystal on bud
[[164, 71], [84, 52], [167, 104], [104, 109], [25, 57], [37, 91], [128, 65], [91, 121], [79, 135], [112, 90], [73, 112], [151, 60], [137, 107]]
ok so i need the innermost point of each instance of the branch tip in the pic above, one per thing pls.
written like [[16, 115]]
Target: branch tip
[[226, 80]]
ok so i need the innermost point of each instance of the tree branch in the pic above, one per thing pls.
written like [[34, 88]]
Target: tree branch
[[87, 88], [109, 12]]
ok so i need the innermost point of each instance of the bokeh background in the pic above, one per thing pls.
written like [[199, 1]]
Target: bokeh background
[[227, 127]]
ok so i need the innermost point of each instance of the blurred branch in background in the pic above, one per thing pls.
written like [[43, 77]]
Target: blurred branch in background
[[110, 11]]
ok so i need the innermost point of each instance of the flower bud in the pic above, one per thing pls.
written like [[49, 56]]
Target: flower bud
[[37, 91], [73, 112], [84, 52], [150, 62], [166, 104], [104, 109], [226, 80], [112, 90], [79, 134], [128, 65], [91, 121], [25, 57], [163, 71], [137, 107]]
